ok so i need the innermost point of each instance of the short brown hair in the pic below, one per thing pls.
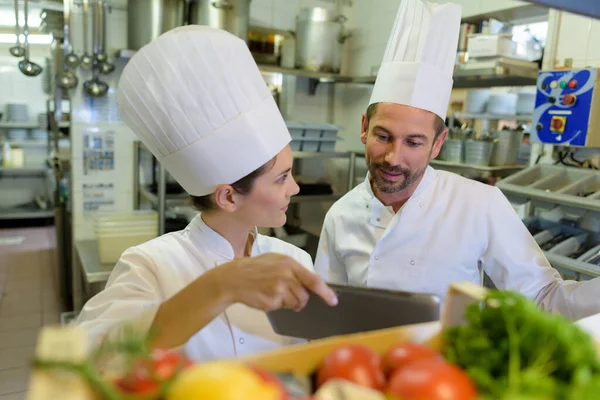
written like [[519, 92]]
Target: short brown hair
[[438, 125], [242, 186]]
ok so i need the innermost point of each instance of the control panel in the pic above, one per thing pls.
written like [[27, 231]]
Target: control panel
[[567, 108]]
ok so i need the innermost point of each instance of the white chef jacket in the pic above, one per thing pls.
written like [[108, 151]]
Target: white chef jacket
[[148, 274], [449, 230]]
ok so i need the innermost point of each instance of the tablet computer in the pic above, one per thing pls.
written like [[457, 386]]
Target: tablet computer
[[359, 309]]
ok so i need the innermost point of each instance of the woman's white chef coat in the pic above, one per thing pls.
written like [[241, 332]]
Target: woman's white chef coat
[[449, 230], [148, 274]]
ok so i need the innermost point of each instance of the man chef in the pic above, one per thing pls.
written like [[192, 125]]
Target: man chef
[[409, 227]]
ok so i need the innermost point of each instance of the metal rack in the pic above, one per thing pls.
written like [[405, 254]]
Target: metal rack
[[163, 201], [575, 191]]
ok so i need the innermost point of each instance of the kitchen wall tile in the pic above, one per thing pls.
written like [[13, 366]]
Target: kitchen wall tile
[[261, 16], [284, 19], [291, 5], [578, 27]]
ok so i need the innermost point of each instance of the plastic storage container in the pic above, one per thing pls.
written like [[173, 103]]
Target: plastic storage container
[[116, 233]]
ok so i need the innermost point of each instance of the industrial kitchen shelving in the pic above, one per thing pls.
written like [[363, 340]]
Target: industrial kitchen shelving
[[163, 201], [575, 190]]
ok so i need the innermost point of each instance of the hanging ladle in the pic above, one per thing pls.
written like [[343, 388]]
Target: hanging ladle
[[106, 67], [86, 60], [17, 50], [71, 59], [27, 67], [95, 87]]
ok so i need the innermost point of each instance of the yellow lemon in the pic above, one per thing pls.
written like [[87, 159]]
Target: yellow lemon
[[221, 381]]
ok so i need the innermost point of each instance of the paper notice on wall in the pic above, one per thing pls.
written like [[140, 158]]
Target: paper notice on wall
[[98, 151], [98, 197]]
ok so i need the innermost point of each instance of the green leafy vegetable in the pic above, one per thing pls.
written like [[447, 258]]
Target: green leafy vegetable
[[513, 350]]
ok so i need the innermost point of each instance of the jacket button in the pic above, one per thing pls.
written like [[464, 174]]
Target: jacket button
[[376, 257], [412, 262], [241, 340], [378, 219], [421, 205]]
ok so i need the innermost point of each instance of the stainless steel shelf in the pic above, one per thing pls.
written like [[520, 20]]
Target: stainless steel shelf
[[586, 269], [22, 171], [315, 198], [19, 125], [486, 168], [324, 77], [28, 143], [501, 72], [171, 199], [306, 154], [494, 117], [24, 214]]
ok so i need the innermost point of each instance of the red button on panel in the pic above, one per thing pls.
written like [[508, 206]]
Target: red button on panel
[[557, 124], [573, 84], [568, 99]]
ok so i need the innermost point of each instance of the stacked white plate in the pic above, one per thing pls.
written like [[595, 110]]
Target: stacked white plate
[[526, 102], [17, 112], [38, 134], [502, 104], [43, 120], [17, 134], [477, 100]]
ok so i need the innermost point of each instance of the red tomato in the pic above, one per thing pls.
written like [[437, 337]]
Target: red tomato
[[403, 354], [271, 379], [163, 366], [354, 363], [431, 379]]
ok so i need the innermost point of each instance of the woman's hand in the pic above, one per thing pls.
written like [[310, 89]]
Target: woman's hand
[[270, 282]]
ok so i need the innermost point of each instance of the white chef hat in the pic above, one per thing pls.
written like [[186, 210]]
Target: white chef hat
[[196, 99], [419, 58]]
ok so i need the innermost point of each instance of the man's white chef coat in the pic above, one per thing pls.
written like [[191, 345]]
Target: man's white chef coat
[[449, 230], [148, 274]]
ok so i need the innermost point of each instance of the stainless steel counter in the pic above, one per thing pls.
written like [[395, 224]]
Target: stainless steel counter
[[88, 272]]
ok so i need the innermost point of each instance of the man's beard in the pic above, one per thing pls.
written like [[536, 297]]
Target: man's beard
[[389, 187]]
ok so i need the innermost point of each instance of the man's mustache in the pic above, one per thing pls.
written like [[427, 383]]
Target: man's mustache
[[392, 168]]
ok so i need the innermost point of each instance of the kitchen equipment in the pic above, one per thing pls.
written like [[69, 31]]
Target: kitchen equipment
[[453, 150], [95, 87], [17, 134], [26, 66], [17, 50], [319, 39], [483, 45], [229, 15], [477, 100], [106, 67], [502, 104], [266, 45], [71, 59], [506, 150], [86, 59], [525, 102], [148, 19], [567, 109], [478, 152]]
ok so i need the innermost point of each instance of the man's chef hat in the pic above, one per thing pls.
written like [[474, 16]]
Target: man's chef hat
[[196, 99], [419, 58]]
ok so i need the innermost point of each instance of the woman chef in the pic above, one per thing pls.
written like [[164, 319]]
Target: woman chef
[[196, 99]]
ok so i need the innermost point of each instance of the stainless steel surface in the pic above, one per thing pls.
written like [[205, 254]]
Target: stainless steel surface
[[26, 66], [95, 87], [106, 67], [162, 196], [98, 15], [148, 19], [17, 50], [494, 117], [230, 15], [351, 171], [93, 270], [86, 58], [319, 39], [71, 59], [67, 80], [500, 72]]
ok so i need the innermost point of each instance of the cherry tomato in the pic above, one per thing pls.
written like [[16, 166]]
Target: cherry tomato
[[354, 363], [142, 381], [430, 379], [404, 354]]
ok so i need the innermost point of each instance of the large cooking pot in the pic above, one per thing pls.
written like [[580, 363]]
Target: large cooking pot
[[230, 15], [148, 19], [319, 39]]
